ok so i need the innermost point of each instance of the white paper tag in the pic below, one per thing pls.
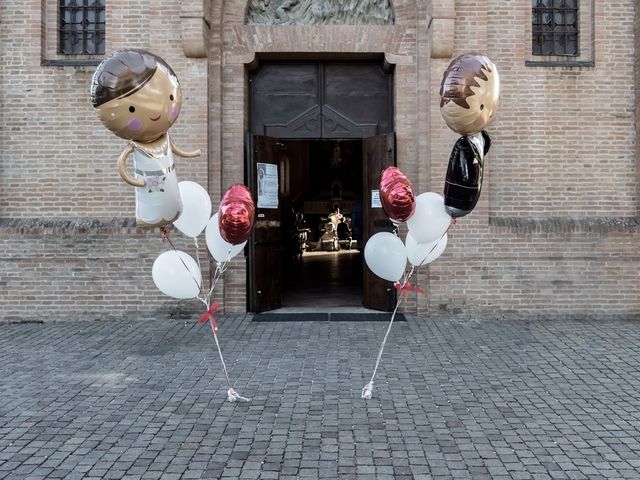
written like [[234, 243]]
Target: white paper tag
[[375, 199]]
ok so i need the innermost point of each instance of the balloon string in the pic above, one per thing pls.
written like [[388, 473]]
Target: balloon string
[[453, 222], [232, 395], [368, 388], [165, 237], [224, 365], [195, 242], [403, 288], [221, 267]]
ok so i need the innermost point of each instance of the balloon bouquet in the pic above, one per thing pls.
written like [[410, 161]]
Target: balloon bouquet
[[137, 96], [469, 96]]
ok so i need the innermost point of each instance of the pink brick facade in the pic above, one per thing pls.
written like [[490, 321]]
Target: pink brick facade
[[556, 230]]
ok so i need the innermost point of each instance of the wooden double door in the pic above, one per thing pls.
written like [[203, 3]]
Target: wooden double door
[[316, 101], [321, 100], [267, 242]]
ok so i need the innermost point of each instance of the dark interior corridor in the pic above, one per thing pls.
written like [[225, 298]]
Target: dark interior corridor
[[321, 192]]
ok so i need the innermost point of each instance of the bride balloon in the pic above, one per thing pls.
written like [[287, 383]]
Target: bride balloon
[[137, 96]]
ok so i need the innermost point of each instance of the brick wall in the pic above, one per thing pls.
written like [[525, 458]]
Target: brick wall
[[559, 234], [538, 268], [637, 85], [58, 163], [570, 130], [554, 233]]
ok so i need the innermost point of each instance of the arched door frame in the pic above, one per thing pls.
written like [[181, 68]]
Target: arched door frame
[[235, 47]]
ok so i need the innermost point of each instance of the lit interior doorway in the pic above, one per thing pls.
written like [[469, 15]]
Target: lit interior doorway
[[320, 132], [321, 212]]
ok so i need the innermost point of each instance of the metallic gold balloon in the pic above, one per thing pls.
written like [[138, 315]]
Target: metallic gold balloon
[[236, 214], [469, 93], [396, 193]]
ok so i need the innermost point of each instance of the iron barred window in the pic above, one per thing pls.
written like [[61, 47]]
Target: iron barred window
[[81, 27], [555, 27]]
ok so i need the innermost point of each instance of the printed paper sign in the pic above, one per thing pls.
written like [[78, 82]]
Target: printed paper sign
[[267, 185], [375, 199]]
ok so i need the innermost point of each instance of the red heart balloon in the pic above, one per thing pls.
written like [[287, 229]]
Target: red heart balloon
[[236, 214], [396, 193]]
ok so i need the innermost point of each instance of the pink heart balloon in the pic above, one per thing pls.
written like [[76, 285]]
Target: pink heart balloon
[[236, 214], [396, 193]]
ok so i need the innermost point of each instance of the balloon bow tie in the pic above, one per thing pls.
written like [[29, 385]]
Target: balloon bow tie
[[407, 288], [208, 315]]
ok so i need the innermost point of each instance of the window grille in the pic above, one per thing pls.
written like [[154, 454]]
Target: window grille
[[81, 27], [555, 27]]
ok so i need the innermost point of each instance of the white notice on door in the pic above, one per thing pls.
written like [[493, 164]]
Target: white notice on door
[[267, 185], [375, 199]]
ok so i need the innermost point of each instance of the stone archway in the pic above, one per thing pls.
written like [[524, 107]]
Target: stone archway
[[235, 45]]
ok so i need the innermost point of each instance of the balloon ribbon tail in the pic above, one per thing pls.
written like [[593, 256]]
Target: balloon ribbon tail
[[406, 288], [367, 391], [208, 315], [234, 396]]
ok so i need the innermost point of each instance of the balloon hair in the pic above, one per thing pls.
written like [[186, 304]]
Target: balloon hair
[[124, 73], [461, 75]]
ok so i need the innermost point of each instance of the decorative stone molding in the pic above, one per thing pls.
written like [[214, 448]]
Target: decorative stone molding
[[566, 224], [442, 28], [243, 42], [193, 25], [319, 12], [68, 226]]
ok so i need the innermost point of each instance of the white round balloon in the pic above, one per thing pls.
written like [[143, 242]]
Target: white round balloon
[[177, 274], [430, 220], [219, 248], [196, 209], [386, 256], [423, 253]]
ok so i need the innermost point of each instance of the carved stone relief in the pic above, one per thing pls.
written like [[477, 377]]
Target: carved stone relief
[[319, 12]]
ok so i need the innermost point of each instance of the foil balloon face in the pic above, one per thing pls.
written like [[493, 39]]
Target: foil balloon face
[[469, 93], [136, 95], [396, 193], [236, 214]]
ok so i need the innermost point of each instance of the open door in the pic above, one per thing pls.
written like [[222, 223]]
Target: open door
[[265, 244], [379, 153]]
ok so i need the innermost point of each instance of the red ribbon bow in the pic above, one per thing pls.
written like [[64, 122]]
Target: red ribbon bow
[[408, 288], [208, 315]]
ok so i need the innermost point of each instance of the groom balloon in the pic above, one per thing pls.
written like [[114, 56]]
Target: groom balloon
[[469, 96]]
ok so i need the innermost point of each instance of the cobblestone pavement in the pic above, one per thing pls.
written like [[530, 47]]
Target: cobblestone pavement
[[454, 399]]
